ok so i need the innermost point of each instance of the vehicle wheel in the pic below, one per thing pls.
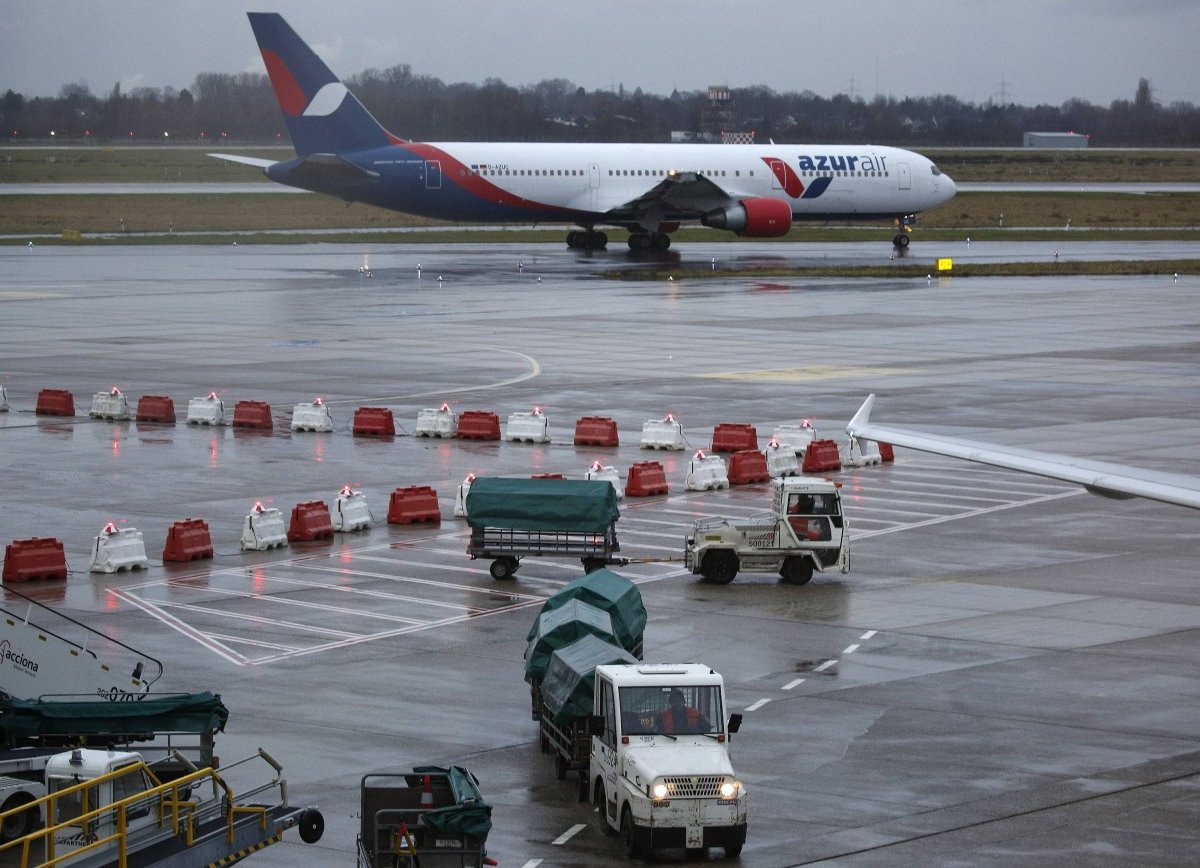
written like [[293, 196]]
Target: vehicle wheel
[[629, 840], [18, 825], [660, 241], [733, 851], [719, 567], [797, 571], [590, 565], [602, 810], [503, 568], [312, 825], [560, 766]]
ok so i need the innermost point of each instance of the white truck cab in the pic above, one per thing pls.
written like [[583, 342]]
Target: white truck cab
[[660, 769], [120, 775], [805, 531]]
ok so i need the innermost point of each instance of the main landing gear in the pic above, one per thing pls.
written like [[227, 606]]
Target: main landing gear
[[588, 239], [649, 241]]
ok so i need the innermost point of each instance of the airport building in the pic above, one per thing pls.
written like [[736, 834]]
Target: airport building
[[1056, 140]]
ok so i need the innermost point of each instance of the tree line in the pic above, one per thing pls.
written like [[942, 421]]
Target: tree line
[[241, 109]]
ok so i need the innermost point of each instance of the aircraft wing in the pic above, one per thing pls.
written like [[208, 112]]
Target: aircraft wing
[[680, 193], [1099, 477]]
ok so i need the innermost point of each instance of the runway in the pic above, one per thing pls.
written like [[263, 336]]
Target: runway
[[1007, 675]]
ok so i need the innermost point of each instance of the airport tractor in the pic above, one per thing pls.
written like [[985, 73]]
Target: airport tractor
[[660, 769], [805, 531]]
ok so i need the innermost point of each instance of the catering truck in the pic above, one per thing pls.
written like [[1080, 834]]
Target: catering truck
[[805, 531], [660, 770]]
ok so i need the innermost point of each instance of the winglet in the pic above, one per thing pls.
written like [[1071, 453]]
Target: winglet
[[862, 418]]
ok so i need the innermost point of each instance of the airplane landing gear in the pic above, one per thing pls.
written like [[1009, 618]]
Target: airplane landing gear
[[589, 239], [904, 226], [648, 241]]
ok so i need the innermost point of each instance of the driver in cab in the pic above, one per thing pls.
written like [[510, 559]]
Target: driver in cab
[[678, 717]]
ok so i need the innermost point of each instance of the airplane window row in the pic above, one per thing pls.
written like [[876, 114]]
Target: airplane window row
[[661, 173], [844, 174], [538, 172]]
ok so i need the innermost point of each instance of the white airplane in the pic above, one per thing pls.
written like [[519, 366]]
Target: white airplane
[[1117, 481], [648, 189]]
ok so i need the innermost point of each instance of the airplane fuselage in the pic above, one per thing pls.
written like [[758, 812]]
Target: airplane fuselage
[[595, 183], [753, 190]]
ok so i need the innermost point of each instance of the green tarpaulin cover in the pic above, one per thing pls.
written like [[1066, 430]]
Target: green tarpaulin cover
[[576, 505], [561, 627], [605, 590], [470, 815], [571, 676], [186, 712]]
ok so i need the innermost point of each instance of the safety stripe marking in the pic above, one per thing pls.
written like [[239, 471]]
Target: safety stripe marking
[[245, 851], [792, 684], [850, 649], [568, 835], [757, 705], [825, 665], [175, 624]]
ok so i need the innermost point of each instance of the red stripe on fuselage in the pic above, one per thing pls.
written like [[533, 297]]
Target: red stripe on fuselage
[[473, 182], [792, 185], [287, 90]]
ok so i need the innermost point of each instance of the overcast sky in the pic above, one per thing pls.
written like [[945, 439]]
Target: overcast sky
[[1028, 51]]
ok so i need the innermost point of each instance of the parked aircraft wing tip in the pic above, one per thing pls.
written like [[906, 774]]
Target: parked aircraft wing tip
[[862, 417]]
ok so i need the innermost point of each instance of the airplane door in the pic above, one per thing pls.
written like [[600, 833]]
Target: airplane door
[[905, 176], [433, 175], [777, 174], [594, 184]]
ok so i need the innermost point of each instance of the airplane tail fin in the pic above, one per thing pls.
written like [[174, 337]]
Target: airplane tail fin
[[322, 116]]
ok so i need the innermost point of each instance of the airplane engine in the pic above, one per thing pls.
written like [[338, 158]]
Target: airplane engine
[[757, 218]]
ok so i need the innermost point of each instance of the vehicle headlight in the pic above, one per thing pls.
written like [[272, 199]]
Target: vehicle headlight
[[730, 789], [658, 791]]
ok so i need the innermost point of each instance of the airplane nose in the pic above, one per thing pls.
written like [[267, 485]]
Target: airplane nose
[[944, 188], [951, 187]]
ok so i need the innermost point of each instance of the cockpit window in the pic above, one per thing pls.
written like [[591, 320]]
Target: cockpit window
[[933, 168]]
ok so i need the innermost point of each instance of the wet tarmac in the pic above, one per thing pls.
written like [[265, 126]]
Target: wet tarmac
[[1007, 675]]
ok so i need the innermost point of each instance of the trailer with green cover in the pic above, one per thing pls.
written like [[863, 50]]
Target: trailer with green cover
[[514, 518]]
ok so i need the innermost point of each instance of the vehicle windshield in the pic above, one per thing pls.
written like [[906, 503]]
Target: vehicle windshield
[[812, 504], [672, 710]]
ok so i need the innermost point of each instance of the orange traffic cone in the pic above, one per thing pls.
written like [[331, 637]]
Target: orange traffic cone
[[427, 794]]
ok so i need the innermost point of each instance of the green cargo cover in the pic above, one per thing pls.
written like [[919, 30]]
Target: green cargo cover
[[573, 505], [559, 628], [469, 815], [184, 712], [605, 590], [571, 677]]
